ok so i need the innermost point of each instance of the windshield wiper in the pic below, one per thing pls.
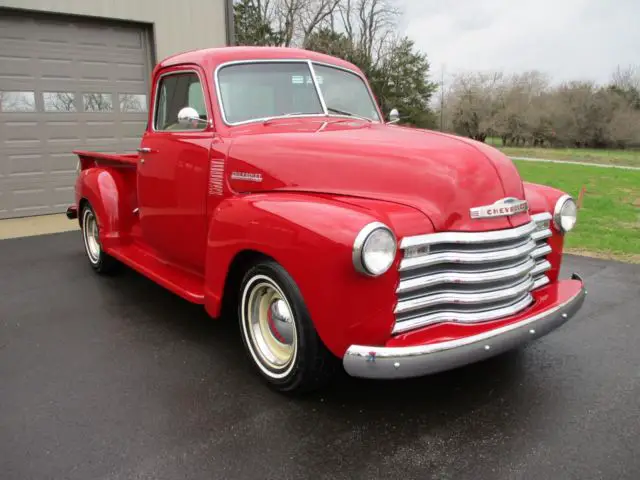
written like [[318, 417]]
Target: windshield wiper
[[285, 115], [347, 114]]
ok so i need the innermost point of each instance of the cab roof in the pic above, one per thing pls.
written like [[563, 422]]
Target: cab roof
[[212, 57]]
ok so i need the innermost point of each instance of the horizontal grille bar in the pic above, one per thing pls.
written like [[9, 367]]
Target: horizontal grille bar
[[540, 234], [541, 217], [469, 237], [476, 297], [541, 267], [467, 257], [460, 277], [541, 251], [469, 316], [540, 281]]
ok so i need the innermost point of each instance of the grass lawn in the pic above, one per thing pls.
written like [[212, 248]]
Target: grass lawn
[[630, 158], [609, 220]]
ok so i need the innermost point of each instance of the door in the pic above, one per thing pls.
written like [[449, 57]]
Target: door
[[173, 171]]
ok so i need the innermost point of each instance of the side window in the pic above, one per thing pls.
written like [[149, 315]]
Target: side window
[[175, 92]]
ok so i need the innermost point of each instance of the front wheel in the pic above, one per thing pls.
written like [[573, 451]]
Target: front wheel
[[278, 333], [98, 259]]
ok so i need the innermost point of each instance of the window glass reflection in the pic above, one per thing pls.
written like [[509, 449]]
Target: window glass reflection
[[59, 101], [97, 102], [17, 102], [133, 102]]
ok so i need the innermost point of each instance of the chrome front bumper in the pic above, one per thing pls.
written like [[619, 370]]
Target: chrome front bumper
[[415, 361]]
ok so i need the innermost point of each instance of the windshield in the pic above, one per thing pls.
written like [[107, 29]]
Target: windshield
[[345, 92], [263, 90]]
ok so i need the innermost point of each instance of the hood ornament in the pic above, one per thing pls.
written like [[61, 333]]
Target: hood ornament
[[502, 208]]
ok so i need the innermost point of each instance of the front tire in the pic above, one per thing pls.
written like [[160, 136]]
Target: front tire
[[278, 333], [98, 259]]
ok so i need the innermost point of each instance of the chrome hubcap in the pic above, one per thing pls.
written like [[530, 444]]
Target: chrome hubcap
[[269, 326], [91, 237]]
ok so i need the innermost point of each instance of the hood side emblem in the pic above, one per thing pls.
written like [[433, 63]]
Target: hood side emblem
[[246, 176], [502, 208]]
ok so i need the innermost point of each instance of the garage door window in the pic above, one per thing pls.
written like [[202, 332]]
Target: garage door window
[[178, 91], [17, 102], [59, 102], [133, 103], [97, 102]]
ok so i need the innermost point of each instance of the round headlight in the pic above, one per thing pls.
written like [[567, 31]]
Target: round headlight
[[565, 214], [374, 249]]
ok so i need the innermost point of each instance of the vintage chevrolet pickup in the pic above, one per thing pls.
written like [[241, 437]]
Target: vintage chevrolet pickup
[[269, 186]]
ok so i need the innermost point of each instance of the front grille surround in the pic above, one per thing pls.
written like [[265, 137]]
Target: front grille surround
[[471, 277]]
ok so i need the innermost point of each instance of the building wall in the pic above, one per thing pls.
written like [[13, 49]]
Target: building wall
[[178, 25]]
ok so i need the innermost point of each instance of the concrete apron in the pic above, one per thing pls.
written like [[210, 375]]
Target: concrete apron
[[31, 226]]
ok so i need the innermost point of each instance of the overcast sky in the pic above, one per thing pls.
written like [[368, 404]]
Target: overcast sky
[[568, 39]]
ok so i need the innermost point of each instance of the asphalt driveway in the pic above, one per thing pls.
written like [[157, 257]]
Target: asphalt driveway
[[116, 378]]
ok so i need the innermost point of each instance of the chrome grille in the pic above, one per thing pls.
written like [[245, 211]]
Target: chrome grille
[[470, 277]]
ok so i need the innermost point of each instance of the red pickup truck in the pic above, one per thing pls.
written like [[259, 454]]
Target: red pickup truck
[[268, 185]]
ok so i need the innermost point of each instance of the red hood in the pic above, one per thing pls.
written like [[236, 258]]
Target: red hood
[[441, 175]]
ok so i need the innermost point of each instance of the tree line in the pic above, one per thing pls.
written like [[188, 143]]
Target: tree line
[[527, 109], [363, 32]]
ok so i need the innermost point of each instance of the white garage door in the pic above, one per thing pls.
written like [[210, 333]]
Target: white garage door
[[65, 83]]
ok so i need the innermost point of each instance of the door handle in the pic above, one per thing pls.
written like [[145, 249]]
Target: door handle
[[144, 150]]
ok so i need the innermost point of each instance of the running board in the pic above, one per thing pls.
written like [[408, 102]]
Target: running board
[[187, 285]]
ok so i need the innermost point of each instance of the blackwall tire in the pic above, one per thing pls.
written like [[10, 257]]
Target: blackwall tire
[[98, 259], [278, 334]]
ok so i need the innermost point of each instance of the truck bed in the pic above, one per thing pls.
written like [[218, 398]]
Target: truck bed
[[108, 158]]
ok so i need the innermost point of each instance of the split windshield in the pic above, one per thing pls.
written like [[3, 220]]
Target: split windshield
[[264, 90]]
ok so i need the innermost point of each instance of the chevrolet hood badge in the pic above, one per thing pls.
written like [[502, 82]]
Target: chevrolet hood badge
[[502, 208]]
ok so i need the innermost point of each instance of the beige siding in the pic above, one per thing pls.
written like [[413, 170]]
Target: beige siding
[[178, 25]]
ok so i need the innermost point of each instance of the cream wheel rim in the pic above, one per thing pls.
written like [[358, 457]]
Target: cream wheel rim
[[90, 234], [269, 326]]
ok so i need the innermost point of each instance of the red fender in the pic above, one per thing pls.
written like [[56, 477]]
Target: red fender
[[312, 238], [103, 188]]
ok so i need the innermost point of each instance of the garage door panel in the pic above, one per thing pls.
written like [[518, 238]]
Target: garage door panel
[[14, 28], [68, 84], [25, 164], [48, 159], [55, 69], [133, 129], [16, 67], [89, 70], [37, 194], [57, 132], [130, 73]]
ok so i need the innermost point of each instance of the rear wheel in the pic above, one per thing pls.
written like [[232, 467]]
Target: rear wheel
[[278, 333], [98, 259]]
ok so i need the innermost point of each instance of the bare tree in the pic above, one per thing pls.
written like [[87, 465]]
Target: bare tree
[[626, 78], [297, 19], [475, 100], [370, 25]]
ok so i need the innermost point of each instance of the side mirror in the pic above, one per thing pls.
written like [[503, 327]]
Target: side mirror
[[394, 116], [187, 116]]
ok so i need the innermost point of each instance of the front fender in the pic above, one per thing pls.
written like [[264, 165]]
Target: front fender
[[312, 238], [105, 189]]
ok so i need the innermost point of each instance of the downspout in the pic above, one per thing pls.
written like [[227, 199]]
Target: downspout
[[230, 23]]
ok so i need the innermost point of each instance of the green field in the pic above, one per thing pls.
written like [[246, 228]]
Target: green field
[[630, 158], [609, 220]]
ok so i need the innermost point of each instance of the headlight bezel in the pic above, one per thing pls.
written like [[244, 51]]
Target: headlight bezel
[[358, 255], [557, 213]]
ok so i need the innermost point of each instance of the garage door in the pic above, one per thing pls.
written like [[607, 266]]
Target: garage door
[[65, 83]]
